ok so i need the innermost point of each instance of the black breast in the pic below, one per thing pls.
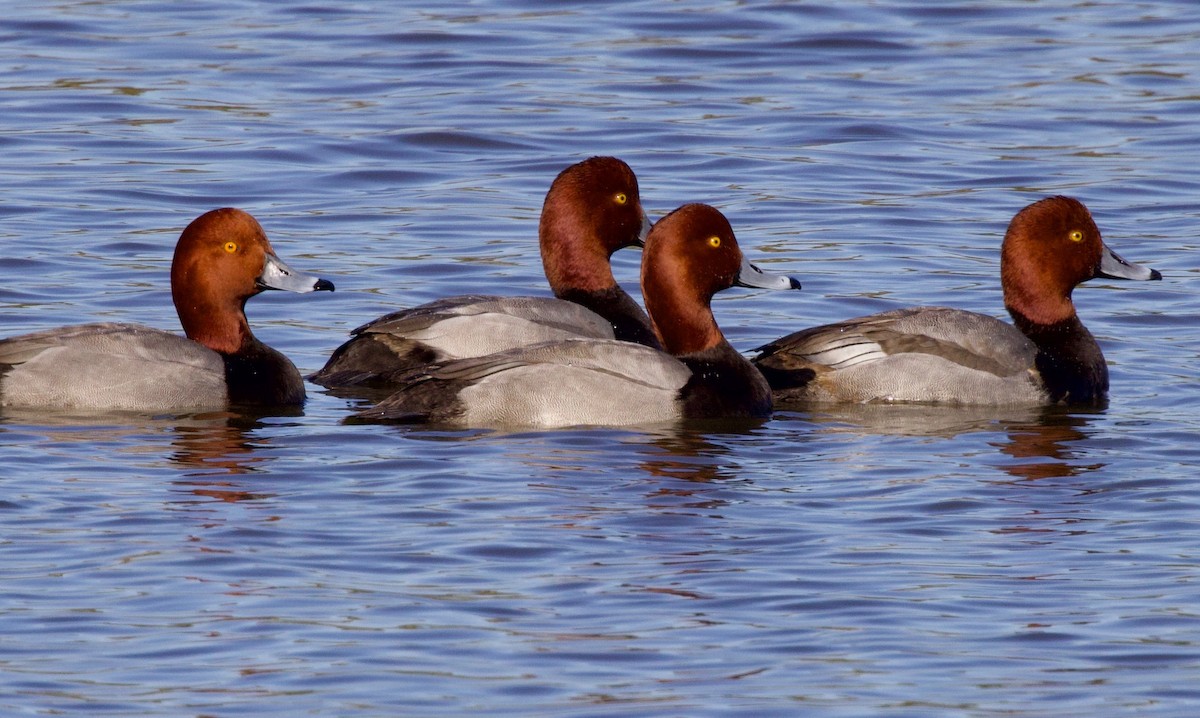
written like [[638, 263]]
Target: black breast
[[260, 376], [724, 384]]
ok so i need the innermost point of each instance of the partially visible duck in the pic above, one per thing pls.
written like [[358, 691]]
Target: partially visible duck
[[690, 255], [593, 209], [940, 355], [222, 259]]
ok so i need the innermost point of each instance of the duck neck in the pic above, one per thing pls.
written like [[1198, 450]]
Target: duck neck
[[1031, 288], [255, 374], [221, 327], [1037, 305], [685, 324], [629, 322], [1069, 360], [579, 264]]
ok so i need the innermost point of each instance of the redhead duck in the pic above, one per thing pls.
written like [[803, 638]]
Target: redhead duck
[[940, 355], [690, 255], [592, 209], [222, 259]]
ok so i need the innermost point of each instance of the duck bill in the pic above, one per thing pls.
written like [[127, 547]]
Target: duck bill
[[277, 275], [1113, 266], [751, 276], [643, 232]]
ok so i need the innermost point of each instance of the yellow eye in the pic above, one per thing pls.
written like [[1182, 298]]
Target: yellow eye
[[231, 247], [621, 198], [1076, 235], [714, 242]]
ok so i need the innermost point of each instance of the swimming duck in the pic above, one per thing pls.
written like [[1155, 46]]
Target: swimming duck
[[222, 259], [942, 355], [592, 209], [690, 255]]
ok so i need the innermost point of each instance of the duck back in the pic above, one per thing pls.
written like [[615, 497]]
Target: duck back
[[918, 354], [596, 382], [110, 366], [383, 351]]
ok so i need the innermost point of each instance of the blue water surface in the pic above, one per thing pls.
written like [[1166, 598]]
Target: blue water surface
[[860, 561]]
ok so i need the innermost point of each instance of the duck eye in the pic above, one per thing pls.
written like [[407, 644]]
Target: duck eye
[[714, 242], [231, 247], [1075, 235], [621, 198]]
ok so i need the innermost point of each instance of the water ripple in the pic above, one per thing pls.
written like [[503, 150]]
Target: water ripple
[[849, 561]]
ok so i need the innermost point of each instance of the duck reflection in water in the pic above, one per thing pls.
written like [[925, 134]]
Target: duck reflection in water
[[1045, 449], [1041, 440], [209, 446], [219, 443], [694, 452]]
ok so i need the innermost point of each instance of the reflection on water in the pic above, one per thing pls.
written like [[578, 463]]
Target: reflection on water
[[864, 561], [1045, 449], [1039, 439], [207, 447], [916, 419], [221, 443], [699, 452]]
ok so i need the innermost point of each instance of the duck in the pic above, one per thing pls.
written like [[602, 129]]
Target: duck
[[222, 258], [941, 355], [592, 209], [690, 255]]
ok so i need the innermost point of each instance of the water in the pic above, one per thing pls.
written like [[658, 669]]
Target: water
[[891, 561]]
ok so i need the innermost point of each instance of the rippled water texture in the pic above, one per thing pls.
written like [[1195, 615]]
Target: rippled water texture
[[891, 561]]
